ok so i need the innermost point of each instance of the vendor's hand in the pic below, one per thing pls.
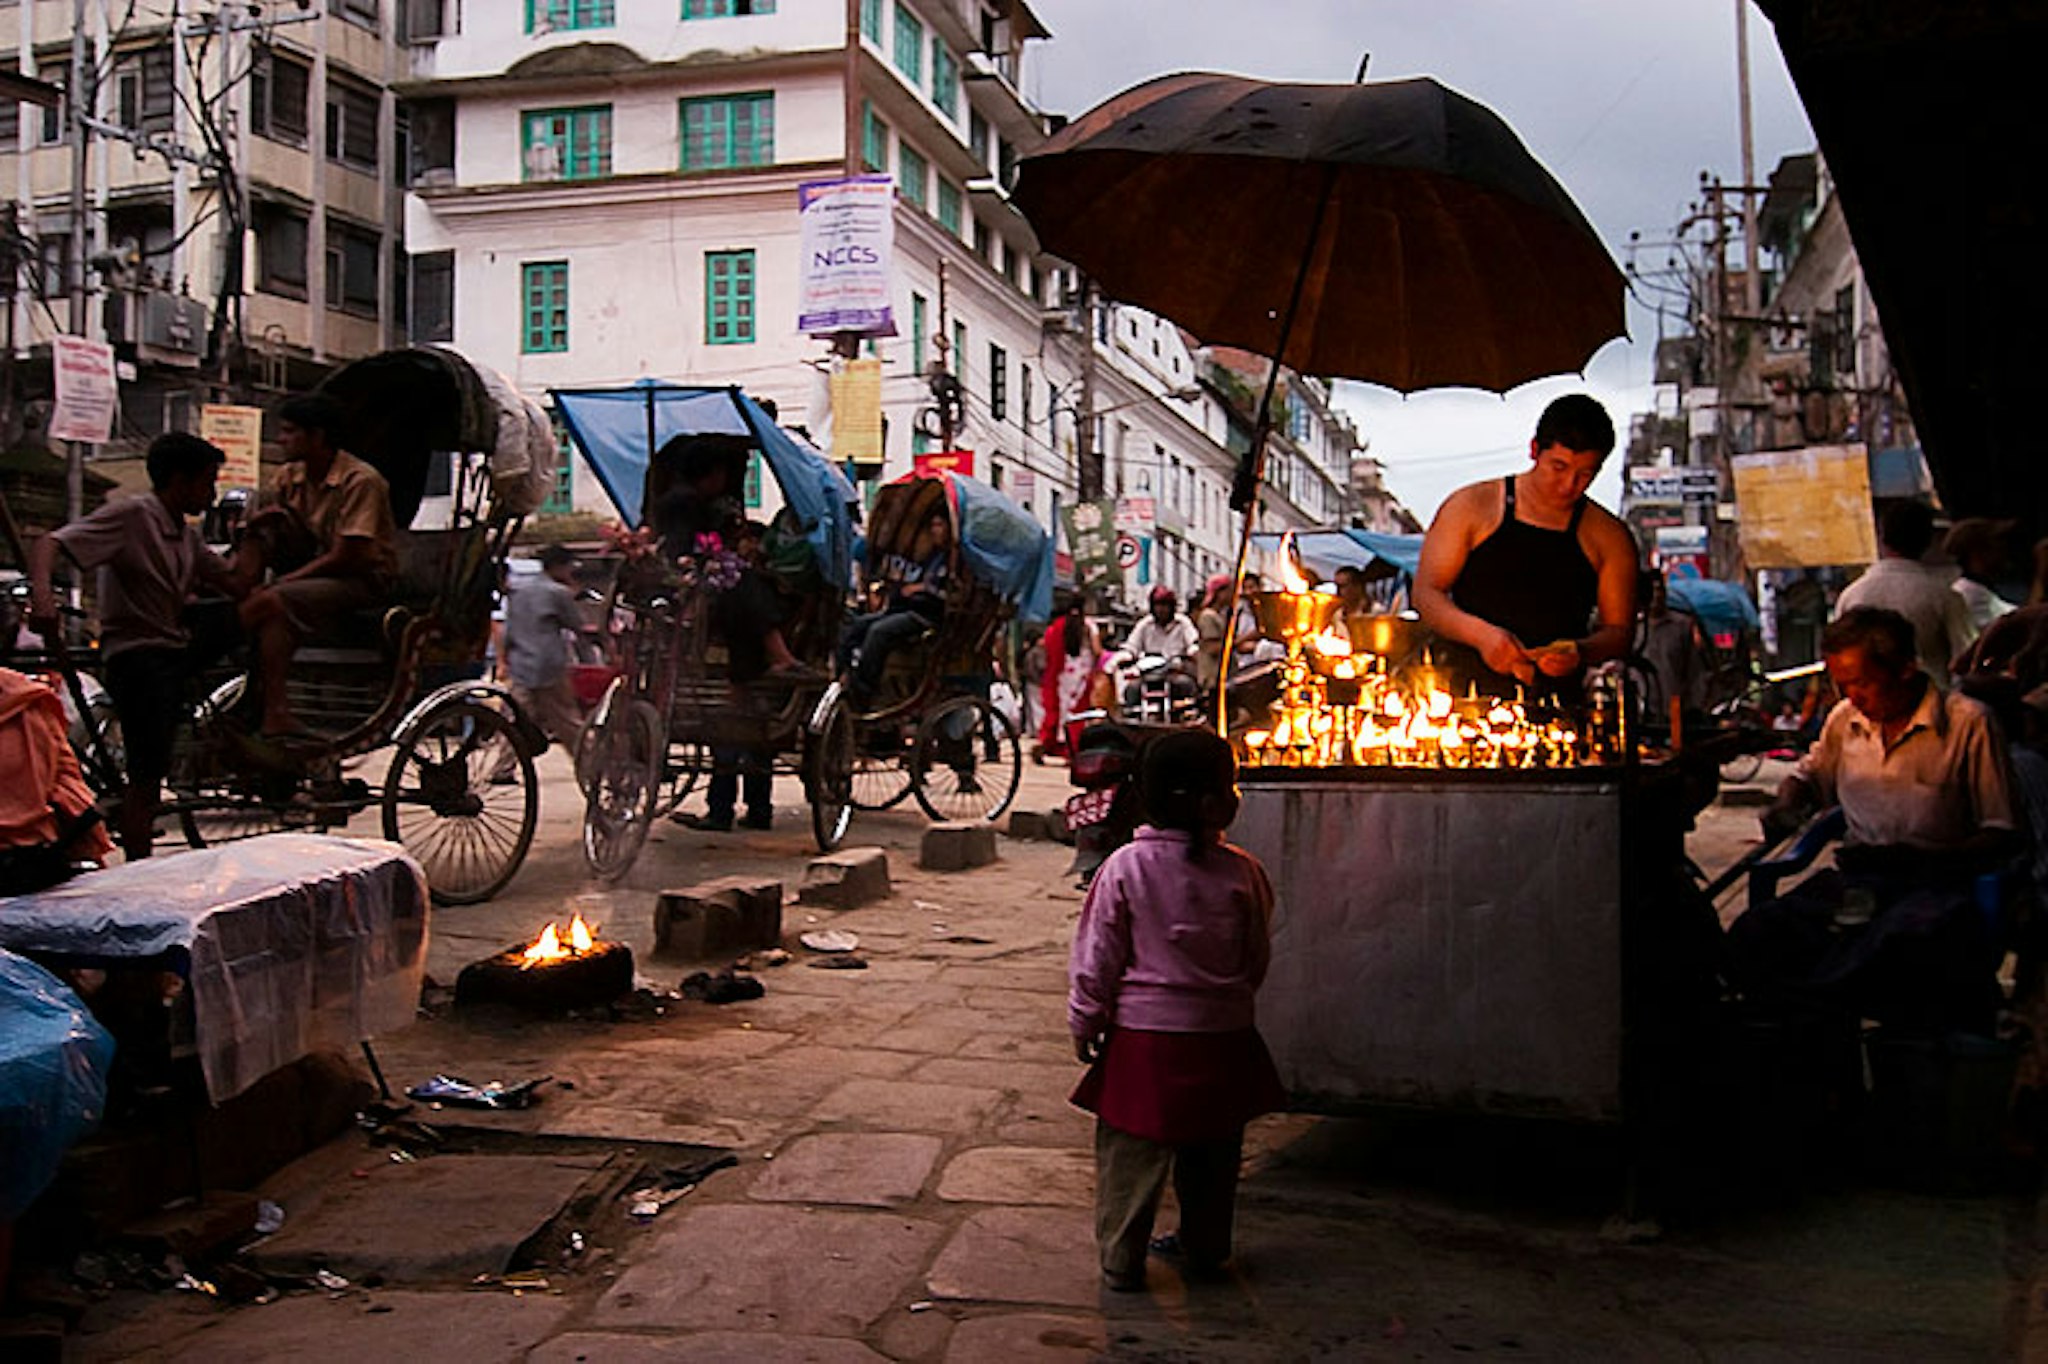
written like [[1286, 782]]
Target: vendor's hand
[[1088, 1050], [1560, 659], [1503, 653]]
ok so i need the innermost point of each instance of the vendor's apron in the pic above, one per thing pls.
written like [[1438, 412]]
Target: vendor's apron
[[1536, 584]]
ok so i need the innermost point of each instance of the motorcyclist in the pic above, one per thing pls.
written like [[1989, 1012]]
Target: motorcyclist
[[1167, 635]]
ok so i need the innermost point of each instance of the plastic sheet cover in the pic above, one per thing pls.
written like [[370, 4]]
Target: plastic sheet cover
[[53, 1078], [1323, 552], [292, 943]]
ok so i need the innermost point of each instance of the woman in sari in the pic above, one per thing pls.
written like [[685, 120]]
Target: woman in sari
[[1073, 655]]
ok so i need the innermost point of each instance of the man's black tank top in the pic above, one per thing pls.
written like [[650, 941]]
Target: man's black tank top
[[1536, 584]]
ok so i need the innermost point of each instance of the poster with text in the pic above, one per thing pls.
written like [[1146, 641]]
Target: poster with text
[[848, 239], [1806, 508], [86, 393], [857, 412], [238, 431]]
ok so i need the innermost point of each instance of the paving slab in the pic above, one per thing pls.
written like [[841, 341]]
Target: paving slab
[[705, 1347], [765, 1267], [1035, 1076], [446, 1219], [1020, 1174], [865, 1169], [907, 1106], [1024, 1255], [1010, 1047], [1027, 1338], [384, 1325], [1031, 1117]]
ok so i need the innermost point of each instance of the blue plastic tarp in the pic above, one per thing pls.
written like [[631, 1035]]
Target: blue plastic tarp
[[619, 429], [53, 1078], [1722, 607], [1323, 552], [1004, 546]]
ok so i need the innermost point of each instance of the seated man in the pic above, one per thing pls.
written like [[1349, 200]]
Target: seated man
[[150, 559], [1923, 782], [916, 586], [326, 534]]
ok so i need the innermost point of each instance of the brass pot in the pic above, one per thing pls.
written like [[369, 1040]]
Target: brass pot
[[1391, 637], [1296, 615]]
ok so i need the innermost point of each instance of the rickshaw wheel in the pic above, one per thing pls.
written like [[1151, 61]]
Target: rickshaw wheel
[[881, 780], [462, 798], [680, 769], [625, 785], [829, 758], [965, 763]]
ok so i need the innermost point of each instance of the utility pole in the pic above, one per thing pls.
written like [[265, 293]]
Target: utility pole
[[74, 100], [1088, 479], [945, 386], [1752, 290]]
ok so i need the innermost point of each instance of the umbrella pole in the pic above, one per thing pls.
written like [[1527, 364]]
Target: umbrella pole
[[1251, 470]]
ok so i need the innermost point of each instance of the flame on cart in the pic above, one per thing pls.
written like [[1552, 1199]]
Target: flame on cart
[[1343, 707], [548, 947]]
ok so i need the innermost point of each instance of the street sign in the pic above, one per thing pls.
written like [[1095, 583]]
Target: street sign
[[238, 431], [1128, 552], [943, 461], [1673, 485], [1136, 513], [86, 392]]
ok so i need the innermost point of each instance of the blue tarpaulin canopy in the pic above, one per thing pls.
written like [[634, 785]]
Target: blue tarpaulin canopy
[[1002, 544], [619, 429], [1323, 552], [1723, 608]]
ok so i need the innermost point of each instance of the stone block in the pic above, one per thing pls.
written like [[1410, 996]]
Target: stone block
[[1056, 826], [957, 846], [1030, 825], [871, 1169], [732, 914], [847, 879]]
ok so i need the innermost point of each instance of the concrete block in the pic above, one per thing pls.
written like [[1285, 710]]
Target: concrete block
[[846, 879], [957, 845], [1030, 825], [1056, 826], [732, 914]]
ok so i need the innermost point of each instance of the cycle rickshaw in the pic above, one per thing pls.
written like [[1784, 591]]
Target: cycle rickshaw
[[932, 730], [459, 792], [675, 697]]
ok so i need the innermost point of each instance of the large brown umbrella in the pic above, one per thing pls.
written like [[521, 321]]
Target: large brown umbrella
[[1395, 232]]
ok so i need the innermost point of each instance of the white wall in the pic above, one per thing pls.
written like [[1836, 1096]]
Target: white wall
[[494, 35]]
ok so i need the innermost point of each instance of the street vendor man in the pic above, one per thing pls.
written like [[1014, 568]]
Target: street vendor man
[[1523, 578]]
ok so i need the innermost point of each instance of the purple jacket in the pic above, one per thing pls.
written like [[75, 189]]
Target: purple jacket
[[1169, 945]]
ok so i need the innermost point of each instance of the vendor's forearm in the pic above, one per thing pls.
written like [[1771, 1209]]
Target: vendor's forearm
[[1609, 641], [42, 564]]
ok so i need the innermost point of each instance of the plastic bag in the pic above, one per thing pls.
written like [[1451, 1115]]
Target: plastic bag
[[53, 1078]]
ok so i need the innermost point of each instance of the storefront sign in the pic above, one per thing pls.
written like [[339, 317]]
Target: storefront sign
[[86, 392], [857, 412], [1806, 508], [847, 238], [1673, 485], [1091, 539], [238, 431], [1681, 551], [943, 462], [1136, 513]]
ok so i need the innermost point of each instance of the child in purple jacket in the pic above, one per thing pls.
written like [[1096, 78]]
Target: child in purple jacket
[[1171, 947]]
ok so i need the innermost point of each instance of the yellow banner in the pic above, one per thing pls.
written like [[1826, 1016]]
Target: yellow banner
[[238, 431], [1806, 508], [857, 412]]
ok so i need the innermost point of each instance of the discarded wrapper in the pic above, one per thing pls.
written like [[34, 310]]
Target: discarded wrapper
[[830, 940], [453, 1089]]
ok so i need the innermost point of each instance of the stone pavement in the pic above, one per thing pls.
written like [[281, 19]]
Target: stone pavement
[[914, 1186]]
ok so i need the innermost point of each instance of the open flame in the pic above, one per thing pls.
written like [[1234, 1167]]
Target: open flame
[[548, 946], [1292, 579]]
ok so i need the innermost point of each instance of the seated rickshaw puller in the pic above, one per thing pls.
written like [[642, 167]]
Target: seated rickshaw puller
[[1924, 784], [916, 600], [328, 536], [149, 559], [1513, 569]]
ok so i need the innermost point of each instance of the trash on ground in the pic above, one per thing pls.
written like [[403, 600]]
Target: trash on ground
[[192, 1283], [453, 1089], [722, 987], [830, 940], [330, 1281], [758, 961], [921, 1305], [645, 1204], [838, 963], [269, 1217]]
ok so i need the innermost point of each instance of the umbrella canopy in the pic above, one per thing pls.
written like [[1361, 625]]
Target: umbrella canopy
[[1425, 245], [1724, 608]]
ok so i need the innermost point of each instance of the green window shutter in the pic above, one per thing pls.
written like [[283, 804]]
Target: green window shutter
[[998, 382], [728, 131], [545, 288], [909, 46], [917, 326], [945, 79], [567, 144], [911, 174], [566, 14], [949, 206], [871, 21], [751, 489], [960, 352], [874, 139], [728, 298]]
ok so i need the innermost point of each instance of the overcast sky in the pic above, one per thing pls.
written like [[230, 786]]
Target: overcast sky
[[1626, 101]]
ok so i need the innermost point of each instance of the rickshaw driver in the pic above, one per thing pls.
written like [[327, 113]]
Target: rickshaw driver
[[327, 532], [1512, 569], [916, 600]]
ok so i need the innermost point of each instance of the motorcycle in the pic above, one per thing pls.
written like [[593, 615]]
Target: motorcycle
[[1105, 814], [1159, 691]]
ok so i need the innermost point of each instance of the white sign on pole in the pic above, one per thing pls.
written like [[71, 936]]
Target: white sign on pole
[[848, 241], [86, 391]]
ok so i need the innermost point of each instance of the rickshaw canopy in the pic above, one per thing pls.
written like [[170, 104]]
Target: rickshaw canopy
[[1724, 608], [1323, 552], [619, 429], [1002, 544]]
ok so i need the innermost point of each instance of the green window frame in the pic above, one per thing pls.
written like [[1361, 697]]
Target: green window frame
[[725, 9], [960, 352], [544, 291], [728, 298], [998, 382], [723, 132], [561, 498], [871, 21], [912, 173], [566, 144], [949, 206], [945, 79], [909, 46], [557, 15], [917, 333], [874, 139]]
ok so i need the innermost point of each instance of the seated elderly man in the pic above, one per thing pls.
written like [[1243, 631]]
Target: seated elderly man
[[1893, 932]]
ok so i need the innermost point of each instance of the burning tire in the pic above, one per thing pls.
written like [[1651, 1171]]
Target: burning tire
[[462, 798], [623, 789], [965, 764]]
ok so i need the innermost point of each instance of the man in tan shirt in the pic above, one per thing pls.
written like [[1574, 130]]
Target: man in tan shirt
[[327, 534]]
